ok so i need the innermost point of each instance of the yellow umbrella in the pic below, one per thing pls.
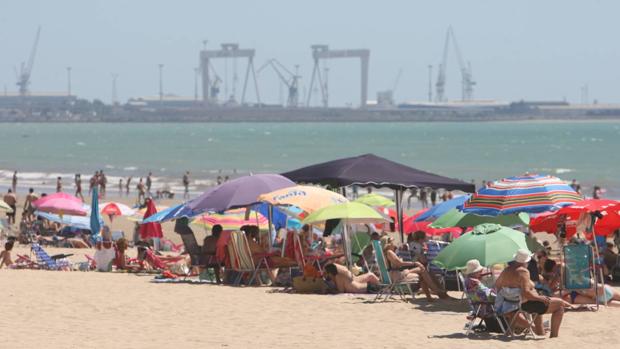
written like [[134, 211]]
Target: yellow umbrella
[[307, 198], [5, 207]]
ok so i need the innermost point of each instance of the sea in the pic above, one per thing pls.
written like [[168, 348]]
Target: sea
[[41, 152]]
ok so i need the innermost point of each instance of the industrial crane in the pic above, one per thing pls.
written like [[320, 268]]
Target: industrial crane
[[467, 82], [288, 78], [440, 86], [23, 76]]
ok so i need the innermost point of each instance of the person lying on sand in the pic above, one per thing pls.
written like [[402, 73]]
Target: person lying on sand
[[346, 282], [516, 276], [409, 271], [607, 295], [5, 256]]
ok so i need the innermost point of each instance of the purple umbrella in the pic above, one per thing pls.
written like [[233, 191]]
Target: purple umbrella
[[239, 192]]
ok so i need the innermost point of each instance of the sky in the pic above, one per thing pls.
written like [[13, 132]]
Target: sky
[[525, 49]]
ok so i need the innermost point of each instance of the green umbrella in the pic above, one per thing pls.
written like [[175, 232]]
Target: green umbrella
[[489, 243], [456, 218], [351, 212], [373, 199]]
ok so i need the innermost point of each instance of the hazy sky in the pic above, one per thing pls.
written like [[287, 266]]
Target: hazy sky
[[518, 49]]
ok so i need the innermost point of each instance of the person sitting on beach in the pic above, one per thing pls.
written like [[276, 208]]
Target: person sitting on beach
[[476, 291], [416, 243], [5, 256], [409, 271], [368, 253], [549, 271], [346, 282], [209, 248], [516, 276], [105, 253]]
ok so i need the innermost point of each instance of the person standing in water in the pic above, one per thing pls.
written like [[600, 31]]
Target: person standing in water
[[14, 182], [120, 187], [186, 185], [58, 185], [127, 185], [149, 183]]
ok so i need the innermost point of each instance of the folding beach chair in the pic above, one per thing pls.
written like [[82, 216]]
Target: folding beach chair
[[44, 260], [578, 271], [433, 249], [241, 260], [387, 287], [482, 310], [513, 295]]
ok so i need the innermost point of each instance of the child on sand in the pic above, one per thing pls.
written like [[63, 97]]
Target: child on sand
[[5, 256]]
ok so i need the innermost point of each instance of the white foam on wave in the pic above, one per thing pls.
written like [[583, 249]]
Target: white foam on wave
[[130, 168], [563, 170]]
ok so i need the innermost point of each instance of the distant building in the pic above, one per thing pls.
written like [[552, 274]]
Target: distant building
[[37, 101]]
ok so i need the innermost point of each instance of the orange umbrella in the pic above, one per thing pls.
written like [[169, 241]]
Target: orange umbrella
[[307, 198]]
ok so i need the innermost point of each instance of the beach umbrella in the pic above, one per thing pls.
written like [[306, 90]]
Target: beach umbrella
[[351, 212], [95, 218], [348, 213], [139, 215], [60, 203], [170, 213], [373, 199], [116, 209], [569, 218], [150, 230], [80, 222], [456, 218], [231, 220], [239, 192], [5, 207], [307, 198], [412, 226], [489, 243], [527, 193], [441, 208]]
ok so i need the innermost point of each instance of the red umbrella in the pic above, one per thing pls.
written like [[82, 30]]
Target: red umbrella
[[411, 226], [150, 230], [570, 217]]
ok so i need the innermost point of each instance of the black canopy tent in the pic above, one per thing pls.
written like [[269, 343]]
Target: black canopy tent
[[374, 171]]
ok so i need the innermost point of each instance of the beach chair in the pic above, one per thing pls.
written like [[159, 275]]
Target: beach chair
[[578, 272], [480, 308], [433, 249], [240, 257], [44, 260], [513, 295], [387, 287]]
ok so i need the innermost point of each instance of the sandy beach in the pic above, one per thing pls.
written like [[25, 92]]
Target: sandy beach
[[113, 310], [118, 310]]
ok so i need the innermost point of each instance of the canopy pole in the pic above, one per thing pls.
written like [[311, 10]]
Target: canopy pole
[[399, 214], [269, 219]]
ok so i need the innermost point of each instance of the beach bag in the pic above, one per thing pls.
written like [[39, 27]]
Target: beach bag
[[492, 325], [309, 285]]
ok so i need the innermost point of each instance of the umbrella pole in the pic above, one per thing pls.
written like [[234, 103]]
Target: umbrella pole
[[596, 259], [269, 219]]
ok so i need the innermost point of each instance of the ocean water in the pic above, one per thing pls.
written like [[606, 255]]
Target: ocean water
[[587, 151]]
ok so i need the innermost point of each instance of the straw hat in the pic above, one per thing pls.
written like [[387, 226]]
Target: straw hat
[[473, 266], [522, 256]]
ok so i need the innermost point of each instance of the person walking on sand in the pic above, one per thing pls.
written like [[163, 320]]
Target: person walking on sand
[[186, 185], [141, 196], [58, 184], [103, 182], [14, 182], [94, 180], [127, 185], [78, 186], [28, 208], [11, 200]]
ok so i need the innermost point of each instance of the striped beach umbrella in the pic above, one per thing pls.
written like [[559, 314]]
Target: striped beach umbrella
[[527, 193], [231, 219]]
